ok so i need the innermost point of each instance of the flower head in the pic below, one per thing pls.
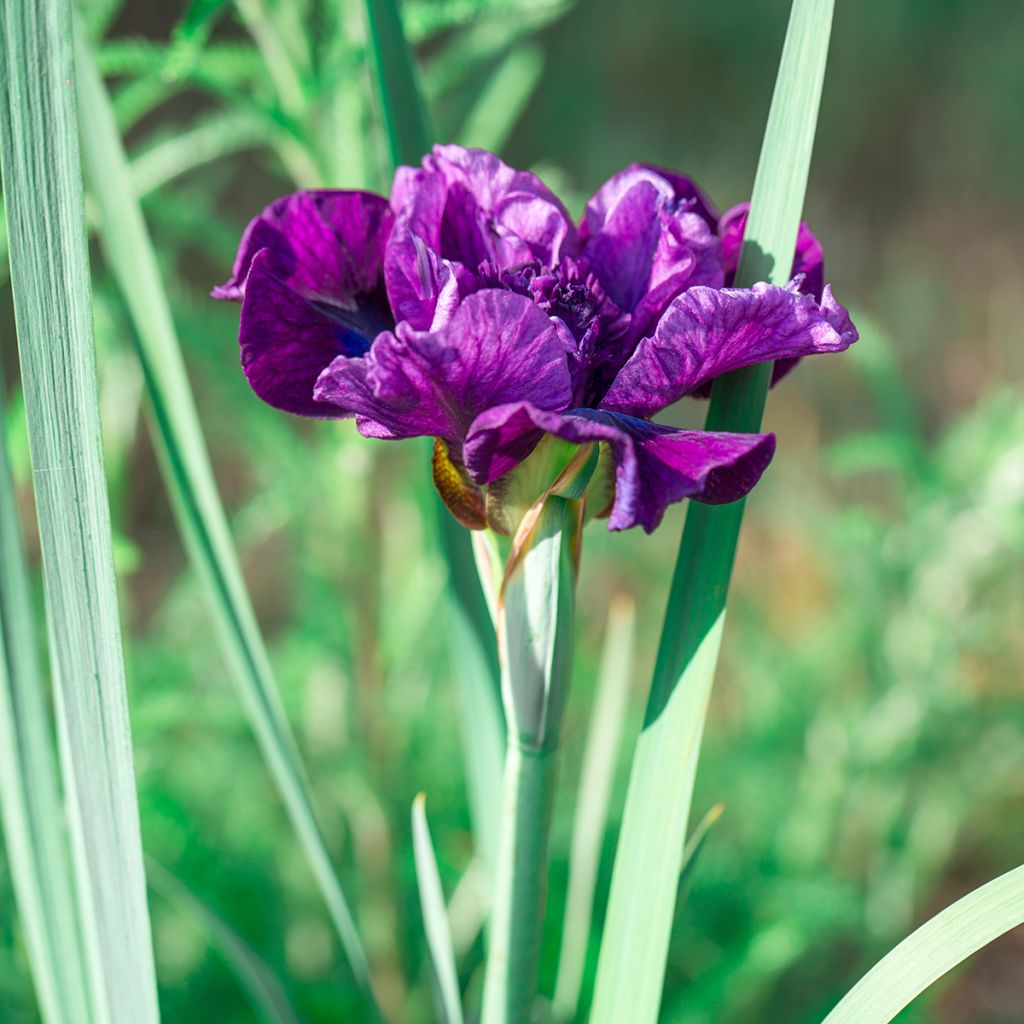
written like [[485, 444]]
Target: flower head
[[471, 308]]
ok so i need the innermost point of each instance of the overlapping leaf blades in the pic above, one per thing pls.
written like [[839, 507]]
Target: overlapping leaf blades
[[30, 797], [50, 281], [193, 490]]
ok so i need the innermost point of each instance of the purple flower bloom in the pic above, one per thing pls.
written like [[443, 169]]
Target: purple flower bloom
[[475, 311], [309, 277]]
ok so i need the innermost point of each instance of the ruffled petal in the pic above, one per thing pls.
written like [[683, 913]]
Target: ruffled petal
[[471, 208], [286, 341], [685, 189], [326, 245], [647, 238], [706, 332], [423, 289], [808, 268], [808, 260], [655, 465], [498, 347]]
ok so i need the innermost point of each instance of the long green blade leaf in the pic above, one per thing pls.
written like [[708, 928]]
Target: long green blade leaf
[[50, 281], [409, 136], [29, 793], [269, 1000], [401, 99], [649, 858], [193, 490], [435, 917], [935, 948]]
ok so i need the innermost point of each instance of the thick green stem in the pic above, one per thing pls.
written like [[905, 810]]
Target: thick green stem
[[536, 617], [521, 885]]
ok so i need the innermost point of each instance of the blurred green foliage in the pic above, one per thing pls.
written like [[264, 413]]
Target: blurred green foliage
[[867, 732]]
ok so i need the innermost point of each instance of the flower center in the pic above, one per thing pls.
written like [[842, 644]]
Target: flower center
[[575, 296]]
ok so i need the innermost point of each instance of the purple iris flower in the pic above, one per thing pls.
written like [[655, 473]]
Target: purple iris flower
[[472, 309]]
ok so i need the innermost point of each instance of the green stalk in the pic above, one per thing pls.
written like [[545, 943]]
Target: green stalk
[[536, 614], [520, 891], [649, 858], [601, 758]]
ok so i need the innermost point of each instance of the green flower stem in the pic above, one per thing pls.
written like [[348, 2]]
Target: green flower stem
[[521, 884], [536, 614]]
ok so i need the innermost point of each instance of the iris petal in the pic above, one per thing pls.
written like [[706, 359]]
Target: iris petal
[[472, 208], [647, 238], [286, 340], [808, 266], [655, 465], [328, 245], [706, 332], [498, 347]]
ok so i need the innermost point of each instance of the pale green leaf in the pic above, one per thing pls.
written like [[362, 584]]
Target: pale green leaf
[[190, 482], [50, 282], [651, 844], [935, 948], [29, 793], [435, 917]]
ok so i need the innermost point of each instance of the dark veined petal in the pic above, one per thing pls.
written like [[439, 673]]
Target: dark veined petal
[[647, 238], [286, 340], [685, 189], [471, 208], [423, 289], [706, 332], [498, 347], [808, 260], [326, 245], [808, 266], [655, 465]]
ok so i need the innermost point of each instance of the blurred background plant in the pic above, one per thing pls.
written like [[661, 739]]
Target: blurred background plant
[[867, 732]]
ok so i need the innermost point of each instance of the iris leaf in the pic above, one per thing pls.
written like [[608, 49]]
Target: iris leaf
[[30, 796], [402, 105], [652, 839], [193, 490], [935, 948], [50, 284], [435, 917]]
